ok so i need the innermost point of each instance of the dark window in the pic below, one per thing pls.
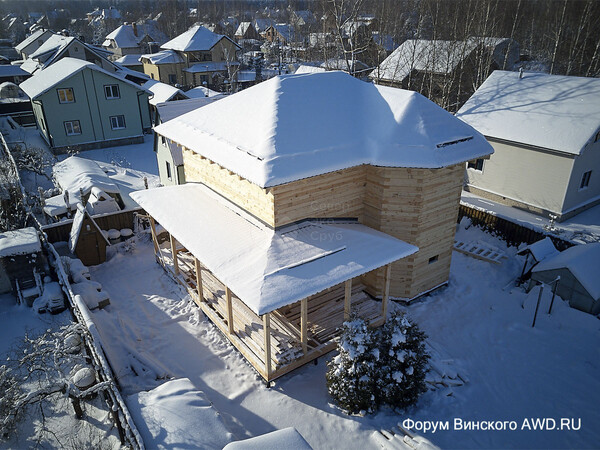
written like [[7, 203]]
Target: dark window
[[433, 259], [168, 170], [72, 128], [476, 164], [172, 78], [585, 180], [111, 91], [65, 95], [163, 140], [117, 122]]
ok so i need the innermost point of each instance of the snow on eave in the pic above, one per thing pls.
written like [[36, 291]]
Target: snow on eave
[[582, 261], [19, 242], [351, 123], [267, 269]]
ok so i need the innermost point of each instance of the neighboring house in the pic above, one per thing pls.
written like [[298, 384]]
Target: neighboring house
[[577, 268], [14, 103], [303, 193], [161, 93], [302, 18], [131, 62], [280, 32], [168, 154], [246, 31], [446, 72], [197, 57], [7, 51], [545, 130], [33, 42], [77, 103], [134, 39], [261, 25]]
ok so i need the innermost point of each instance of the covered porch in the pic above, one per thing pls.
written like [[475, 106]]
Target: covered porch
[[280, 296]]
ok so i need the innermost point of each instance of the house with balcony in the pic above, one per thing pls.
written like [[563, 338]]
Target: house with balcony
[[197, 57], [79, 104], [331, 197]]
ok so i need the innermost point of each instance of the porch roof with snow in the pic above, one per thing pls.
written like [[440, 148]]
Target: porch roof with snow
[[311, 124], [267, 269]]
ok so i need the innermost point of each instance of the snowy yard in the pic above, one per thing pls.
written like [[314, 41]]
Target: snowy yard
[[480, 325]]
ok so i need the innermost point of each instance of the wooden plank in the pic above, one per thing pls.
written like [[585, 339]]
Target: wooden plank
[[199, 279], [174, 254], [229, 310], [386, 291], [153, 231], [304, 324], [347, 299], [267, 345]]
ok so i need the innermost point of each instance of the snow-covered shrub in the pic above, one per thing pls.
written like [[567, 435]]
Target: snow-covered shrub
[[351, 374], [403, 362], [378, 366]]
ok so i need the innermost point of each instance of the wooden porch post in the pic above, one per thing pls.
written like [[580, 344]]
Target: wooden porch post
[[347, 299], [303, 324], [267, 330], [199, 279], [229, 310], [154, 236], [174, 254], [386, 291]]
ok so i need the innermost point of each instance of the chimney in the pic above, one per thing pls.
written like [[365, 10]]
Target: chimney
[[134, 26]]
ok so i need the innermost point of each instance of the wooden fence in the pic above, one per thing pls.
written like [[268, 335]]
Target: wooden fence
[[60, 231], [513, 233]]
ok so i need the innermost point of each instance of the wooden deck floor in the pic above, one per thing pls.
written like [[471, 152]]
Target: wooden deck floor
[[324, 319]]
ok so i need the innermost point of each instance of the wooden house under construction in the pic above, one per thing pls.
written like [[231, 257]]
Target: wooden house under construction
[[308, 198]]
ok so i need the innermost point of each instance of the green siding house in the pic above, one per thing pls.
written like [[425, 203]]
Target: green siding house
[[78, 104]]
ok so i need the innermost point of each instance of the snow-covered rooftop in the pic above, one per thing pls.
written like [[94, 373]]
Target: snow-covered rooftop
[[550, 111], [267, 268], [541, 249], [59, 71], [195, 39], [163, 57], [30, 39], [201, 91], [177, 415], [171, 110], [310, 124], [287, 438], [19, 242], [582, 261], [129, 60], [305, 68], [125, 37], [162, 92], [75, 173], [211, 66], [9, 70]]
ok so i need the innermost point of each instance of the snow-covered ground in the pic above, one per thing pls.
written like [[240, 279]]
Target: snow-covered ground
[[480, 324], [582, 228]]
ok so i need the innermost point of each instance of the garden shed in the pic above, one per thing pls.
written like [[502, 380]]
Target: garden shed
[[87, 241], [579, 282]]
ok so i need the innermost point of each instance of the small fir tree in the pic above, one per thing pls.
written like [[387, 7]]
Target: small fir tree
[[404, 361], [351, 375]]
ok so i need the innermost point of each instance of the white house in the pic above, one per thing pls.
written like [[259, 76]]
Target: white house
[[545, 130]]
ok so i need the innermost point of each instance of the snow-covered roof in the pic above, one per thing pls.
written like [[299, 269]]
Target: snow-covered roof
[[541, 249], [267, 268], [30, 39], [77, 224], [162, 92], [125, 36], [163, 57], [262, 24], [549, 111], [75, 173], [19, 242], [285, 30], [304, 68], [177, 415], [435, 56], [287, 438], [582, 261], [201, 91], [129, 60], [310, 124], [53, 44], [342, 64], [242, 28], [65, 68], [195, 39], [171, 110]]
